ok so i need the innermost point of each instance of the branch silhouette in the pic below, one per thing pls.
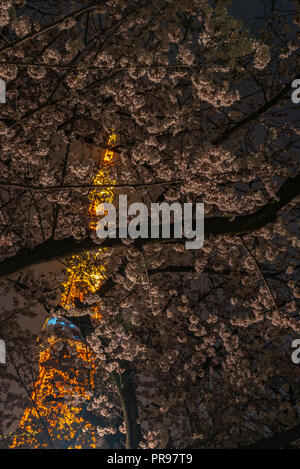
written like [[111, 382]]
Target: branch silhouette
[[55, 249]]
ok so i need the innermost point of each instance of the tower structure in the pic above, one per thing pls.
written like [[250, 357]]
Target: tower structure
[[66, 365]]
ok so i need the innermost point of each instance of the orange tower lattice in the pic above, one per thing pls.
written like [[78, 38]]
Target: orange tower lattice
[[60, 383]]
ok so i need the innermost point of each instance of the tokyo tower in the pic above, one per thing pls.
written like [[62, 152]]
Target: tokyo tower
[[66, 365]]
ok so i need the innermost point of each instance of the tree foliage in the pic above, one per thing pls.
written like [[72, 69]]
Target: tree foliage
[[203, 113]]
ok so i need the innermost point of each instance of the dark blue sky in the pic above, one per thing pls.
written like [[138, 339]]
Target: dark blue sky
[[246, 9]]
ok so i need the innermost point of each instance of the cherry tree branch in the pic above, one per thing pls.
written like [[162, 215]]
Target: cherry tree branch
[[127, 397], [259, 112], [55, 249], [30, 36], [33, 187], [278, 440]]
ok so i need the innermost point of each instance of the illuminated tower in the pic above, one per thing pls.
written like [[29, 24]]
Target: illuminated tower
[[66, 365]]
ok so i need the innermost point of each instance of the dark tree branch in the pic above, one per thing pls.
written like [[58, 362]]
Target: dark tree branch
[[96, 421], [279, 440], [30, 36], [55, 249], [255, 115], [127, 397]]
